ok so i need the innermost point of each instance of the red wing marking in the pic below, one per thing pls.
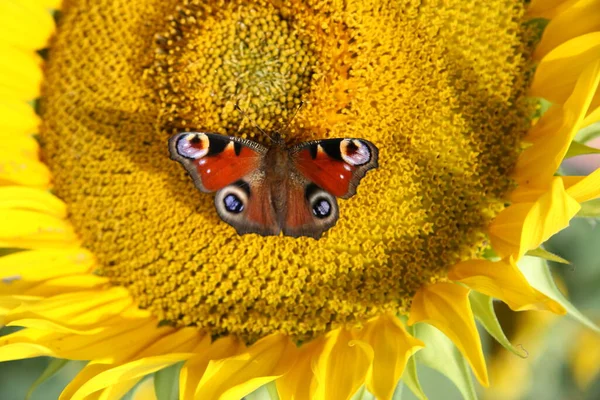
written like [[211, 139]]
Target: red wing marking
[[219, 170], [330, 174]]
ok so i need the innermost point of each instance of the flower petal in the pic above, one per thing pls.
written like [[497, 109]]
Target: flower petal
[[547, 8], [552, 136], [524, 226], [20, 170], [194, 368], [26, 198], [17, 117], [334, 379], [300, 382], [131, 370], [236, 376], [392, 347], [443, 356], [20, 145], [557, 73], [446, 306], [20, 73], [503, 280], [581, 18], [25, 24], [145, 391], [583, 188]]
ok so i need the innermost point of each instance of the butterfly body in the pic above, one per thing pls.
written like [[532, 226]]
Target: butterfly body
[[276, 189]]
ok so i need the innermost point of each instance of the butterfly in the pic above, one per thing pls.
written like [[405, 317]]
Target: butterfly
[[268, 190]]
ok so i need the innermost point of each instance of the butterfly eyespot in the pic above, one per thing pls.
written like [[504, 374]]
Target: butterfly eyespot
[[193, 145], [321, 208], [233, 204], [355, 152]]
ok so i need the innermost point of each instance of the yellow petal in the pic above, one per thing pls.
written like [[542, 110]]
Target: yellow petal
[[548, 8], [446, 306], [67, 284], [334, 379], [558, 71], [145, 391], [552, 136], [25, 24], [118, 391], [124, 340], [300, 382], [236, 376], [77, 309], [17, 117], [16, 169], [20, 73], [524, 226], [592, 117], [131, 370], [583, 188], [182, 340], [38, 265], [30, 229], [88, 372], [194, 368], [581, 18], [19, 145], [392, 347], [504, 281]]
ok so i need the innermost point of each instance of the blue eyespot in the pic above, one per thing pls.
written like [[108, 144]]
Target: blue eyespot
[[233, 204], [321, 208]]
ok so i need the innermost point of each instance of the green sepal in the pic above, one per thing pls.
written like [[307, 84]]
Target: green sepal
[[588, 133], [363, 394], [483, 309], [166, 382], [546, 255], [538, 274], [55, 365], [265, 392], [441, 354], [579, 149], [590, 209], [410, 377]]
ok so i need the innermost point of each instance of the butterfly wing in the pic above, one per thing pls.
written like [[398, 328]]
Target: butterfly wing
[[233, 167], [328, 169]]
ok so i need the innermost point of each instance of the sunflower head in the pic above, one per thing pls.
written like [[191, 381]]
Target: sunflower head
[[442, 91]]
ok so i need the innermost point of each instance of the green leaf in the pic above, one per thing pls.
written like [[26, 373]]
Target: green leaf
[[55, 365], [546, 255], [579, 149], [483, 308], [363, 394], [410, 378], [398, 391], [441, 354], [538, 274], [166, 382], [590, 209], [265, 392], [588, 133]]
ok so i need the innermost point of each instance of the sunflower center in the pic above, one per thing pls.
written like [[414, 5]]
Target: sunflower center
[[440, 91]]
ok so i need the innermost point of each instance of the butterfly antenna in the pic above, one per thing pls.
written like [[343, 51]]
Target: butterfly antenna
[[254, 124], [293, 116]]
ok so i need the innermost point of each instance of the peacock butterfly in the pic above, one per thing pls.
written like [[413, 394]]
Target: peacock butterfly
[[276, 189]]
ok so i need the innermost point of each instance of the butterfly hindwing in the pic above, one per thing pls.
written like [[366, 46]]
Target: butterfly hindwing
[[215, 161]]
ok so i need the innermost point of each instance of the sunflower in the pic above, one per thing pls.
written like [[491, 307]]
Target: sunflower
[[113, 257]]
